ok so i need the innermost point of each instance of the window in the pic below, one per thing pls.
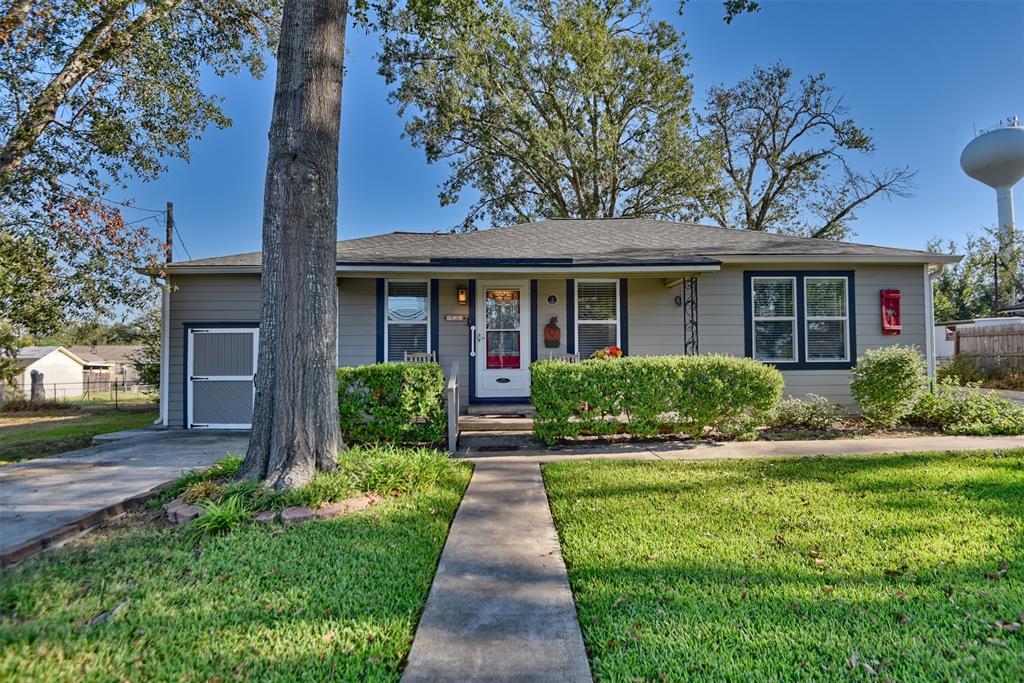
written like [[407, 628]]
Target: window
[[597, 315], [407, 321], [800, 319], [774, 300], [826, 319]]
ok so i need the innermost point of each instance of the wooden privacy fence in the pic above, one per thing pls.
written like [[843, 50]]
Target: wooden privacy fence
[[993, 345]]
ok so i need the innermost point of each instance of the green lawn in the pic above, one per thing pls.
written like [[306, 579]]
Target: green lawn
[[336, 599], [24, 436], [798, 569]]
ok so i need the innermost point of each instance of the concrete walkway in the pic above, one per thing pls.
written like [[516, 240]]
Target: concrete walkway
[[38, 496], [738, 450], [500, 607]]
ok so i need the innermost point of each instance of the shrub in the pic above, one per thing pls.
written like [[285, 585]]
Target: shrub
[[815, 412], [683, 394], [887, 383], [400, 403], [967, 410], [968, 369]]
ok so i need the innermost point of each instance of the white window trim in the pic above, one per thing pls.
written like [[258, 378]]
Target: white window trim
[[615, 321], [388, 323], [808, 319], [755, 318]]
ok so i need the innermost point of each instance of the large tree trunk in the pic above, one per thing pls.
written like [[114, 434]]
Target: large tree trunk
[[295, 418]]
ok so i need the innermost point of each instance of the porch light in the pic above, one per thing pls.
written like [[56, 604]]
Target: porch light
[[462, 295]]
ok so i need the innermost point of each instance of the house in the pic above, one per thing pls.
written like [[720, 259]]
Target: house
[[111, 363], [483, 299], [62, 371]]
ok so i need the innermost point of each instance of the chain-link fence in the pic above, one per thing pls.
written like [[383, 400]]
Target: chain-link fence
[[98, 394]]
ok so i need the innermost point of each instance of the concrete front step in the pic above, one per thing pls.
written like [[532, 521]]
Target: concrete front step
[[497, 440], [504, 409], [492, 423]]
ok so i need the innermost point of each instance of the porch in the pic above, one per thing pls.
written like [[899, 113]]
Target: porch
[[494, 325]]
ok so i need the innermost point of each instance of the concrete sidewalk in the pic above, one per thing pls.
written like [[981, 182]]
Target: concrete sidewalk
[[42, 495], [738, 450], [500, 607]]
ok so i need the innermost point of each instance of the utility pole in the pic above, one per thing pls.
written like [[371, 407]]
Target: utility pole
[[995, 267], [169, 242]]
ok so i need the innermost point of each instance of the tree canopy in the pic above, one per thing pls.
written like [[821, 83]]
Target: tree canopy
[[93, 94], [570, 108], [966, 290], [784, 157]]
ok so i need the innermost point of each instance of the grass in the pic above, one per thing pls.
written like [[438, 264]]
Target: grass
[[892, 567], [28, 435], [335, 599]]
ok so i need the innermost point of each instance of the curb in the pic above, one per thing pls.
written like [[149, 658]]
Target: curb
[[78, 527]]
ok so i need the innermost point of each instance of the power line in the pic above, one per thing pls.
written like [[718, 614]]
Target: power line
[[182, 240]]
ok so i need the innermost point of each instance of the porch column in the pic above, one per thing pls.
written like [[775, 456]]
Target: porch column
[[690, 344]]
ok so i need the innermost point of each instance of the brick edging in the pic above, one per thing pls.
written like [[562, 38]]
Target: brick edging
[[76, 527]]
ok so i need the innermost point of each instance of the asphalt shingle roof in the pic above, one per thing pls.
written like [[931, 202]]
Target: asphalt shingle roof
[[611, 241]]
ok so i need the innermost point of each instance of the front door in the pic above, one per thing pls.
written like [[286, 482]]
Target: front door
[[503, 340]]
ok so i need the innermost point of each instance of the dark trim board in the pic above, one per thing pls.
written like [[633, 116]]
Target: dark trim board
[[624, 315], [801, 331], [381, 298], [533, 321], [186, 327], [570, 315], [435, 317]]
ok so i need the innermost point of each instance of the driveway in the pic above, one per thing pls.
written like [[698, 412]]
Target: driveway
[[41, 495]]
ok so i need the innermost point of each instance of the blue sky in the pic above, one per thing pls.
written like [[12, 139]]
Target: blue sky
[[919, 75]]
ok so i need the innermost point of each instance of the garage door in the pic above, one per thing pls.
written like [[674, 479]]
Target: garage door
[[221, 367]]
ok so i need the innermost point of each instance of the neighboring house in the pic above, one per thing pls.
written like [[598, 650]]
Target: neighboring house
[[62, 371], [483, 299], [112, 363]]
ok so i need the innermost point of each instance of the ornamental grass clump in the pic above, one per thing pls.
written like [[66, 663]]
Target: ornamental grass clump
[[887, 383]]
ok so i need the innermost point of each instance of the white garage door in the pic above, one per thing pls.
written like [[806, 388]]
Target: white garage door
[[221, 367]]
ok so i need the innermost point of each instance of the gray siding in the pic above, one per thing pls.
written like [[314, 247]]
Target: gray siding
[[546, 288], [721, 330], [204, 299], [453, 335], [357, 321], [655, 322]]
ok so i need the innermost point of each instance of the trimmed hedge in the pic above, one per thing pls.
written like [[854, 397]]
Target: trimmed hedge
[[400, 403], [679, 394]]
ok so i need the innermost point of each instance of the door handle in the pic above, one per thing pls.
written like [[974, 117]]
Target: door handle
[[472, 341]]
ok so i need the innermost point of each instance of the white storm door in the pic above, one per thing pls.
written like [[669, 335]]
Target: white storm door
[[502, 340], [221, 368]]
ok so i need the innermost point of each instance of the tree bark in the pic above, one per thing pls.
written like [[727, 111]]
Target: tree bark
[[295, 429]]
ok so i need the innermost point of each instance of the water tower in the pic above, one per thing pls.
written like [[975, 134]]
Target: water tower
[[996, 157]]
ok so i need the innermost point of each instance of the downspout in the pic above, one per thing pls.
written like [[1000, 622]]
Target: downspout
[[165, 345], [929, 318]]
